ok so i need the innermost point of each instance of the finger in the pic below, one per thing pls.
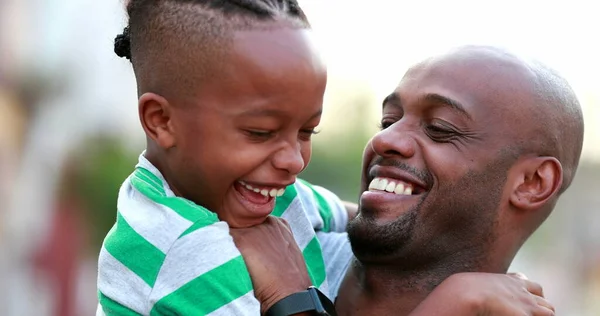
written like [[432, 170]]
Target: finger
[[519, 275], [284, 222], [534, 288], [285, 226], [543, 311], [542, 302]]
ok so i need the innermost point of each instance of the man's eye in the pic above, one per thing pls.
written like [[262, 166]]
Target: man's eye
[[438, 133], [385, 124]]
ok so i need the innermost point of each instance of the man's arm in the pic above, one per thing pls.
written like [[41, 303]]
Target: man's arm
[[282, 271], [270, 246], [485, 294]]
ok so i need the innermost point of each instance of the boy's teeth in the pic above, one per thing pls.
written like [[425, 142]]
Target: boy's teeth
[[265, 192], [399, 188]]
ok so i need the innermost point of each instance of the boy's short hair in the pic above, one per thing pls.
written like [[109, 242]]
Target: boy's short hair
[[174, 44]]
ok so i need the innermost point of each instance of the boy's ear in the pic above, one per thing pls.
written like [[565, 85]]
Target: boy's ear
[[537, 180], [155, 115]]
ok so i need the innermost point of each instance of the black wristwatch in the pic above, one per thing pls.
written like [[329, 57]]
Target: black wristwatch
[[311, 300]]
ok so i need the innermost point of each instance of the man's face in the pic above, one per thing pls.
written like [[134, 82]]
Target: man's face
[[248, 135], [433, 177]]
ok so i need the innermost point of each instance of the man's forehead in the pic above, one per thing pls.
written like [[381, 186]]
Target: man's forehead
[[472, 76]]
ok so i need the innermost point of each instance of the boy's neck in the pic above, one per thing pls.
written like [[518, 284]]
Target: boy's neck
[[157, 161]]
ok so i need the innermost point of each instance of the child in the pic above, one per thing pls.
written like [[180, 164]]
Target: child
[[230, 93]]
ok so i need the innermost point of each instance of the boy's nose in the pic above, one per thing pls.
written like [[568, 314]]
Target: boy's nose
[[289, 159]]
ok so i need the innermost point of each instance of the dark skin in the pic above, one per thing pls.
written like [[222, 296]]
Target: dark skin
[[451, 132], [252, 122], [450, 119]]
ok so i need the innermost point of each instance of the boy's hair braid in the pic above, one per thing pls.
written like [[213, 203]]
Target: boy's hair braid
[[259, 9]]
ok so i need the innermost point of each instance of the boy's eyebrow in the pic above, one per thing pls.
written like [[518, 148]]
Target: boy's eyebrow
[[273, 112]]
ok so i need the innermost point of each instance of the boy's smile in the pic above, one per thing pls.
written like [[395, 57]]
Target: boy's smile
[[258, 199], [237, 141]]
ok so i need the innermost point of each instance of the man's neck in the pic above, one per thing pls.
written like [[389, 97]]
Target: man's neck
[[373, 289]]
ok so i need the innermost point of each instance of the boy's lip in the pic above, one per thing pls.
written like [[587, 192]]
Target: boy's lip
[[257, 203]]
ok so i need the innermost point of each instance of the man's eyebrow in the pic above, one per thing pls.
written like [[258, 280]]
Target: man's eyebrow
[[445, 101]]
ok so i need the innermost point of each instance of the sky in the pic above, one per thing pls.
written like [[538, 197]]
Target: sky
[[368, 46], [374, 44]]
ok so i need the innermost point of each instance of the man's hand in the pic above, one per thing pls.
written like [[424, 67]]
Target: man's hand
[[275, 262], [486, 294]]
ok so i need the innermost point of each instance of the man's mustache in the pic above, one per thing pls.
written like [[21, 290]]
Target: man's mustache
[[422, 175]]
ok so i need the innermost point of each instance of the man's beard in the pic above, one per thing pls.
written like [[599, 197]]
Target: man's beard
[[458, 224], [372, 240]]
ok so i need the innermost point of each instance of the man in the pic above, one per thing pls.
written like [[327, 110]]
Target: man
[[485, 142]]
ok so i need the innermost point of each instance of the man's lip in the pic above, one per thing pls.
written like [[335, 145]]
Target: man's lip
[[397, 174]]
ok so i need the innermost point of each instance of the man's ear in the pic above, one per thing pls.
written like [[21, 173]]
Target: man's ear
[[537, 180], [156, 117]]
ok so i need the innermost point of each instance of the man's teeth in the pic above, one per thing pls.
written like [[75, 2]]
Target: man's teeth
[[396, 187], [264, 192]]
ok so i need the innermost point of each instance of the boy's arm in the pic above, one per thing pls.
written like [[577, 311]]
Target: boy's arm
[[202, 273]]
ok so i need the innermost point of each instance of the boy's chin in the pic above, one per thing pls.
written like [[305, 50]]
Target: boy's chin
[[243, 222]]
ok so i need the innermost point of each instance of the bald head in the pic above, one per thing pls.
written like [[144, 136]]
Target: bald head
[[176, 44], [538, 109]]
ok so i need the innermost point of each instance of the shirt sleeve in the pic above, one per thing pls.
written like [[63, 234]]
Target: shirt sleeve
[[337, 255], [323, 207]]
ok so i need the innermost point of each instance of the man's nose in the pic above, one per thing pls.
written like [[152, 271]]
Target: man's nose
[[396, 140]]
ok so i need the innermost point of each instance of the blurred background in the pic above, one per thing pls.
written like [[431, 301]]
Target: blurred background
[[69, 133]]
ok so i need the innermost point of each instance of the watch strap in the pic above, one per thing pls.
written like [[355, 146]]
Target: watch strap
[[311, 300]]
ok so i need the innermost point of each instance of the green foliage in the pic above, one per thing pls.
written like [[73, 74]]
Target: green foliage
[[101, 167], [337, 165]]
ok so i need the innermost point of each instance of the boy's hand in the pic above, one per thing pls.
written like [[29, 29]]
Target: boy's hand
[[486, 294], [275, 262]]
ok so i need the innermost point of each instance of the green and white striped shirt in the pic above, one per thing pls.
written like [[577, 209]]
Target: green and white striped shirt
[[166, 255]]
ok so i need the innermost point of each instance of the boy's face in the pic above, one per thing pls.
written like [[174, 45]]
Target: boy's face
[[250, 127]]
